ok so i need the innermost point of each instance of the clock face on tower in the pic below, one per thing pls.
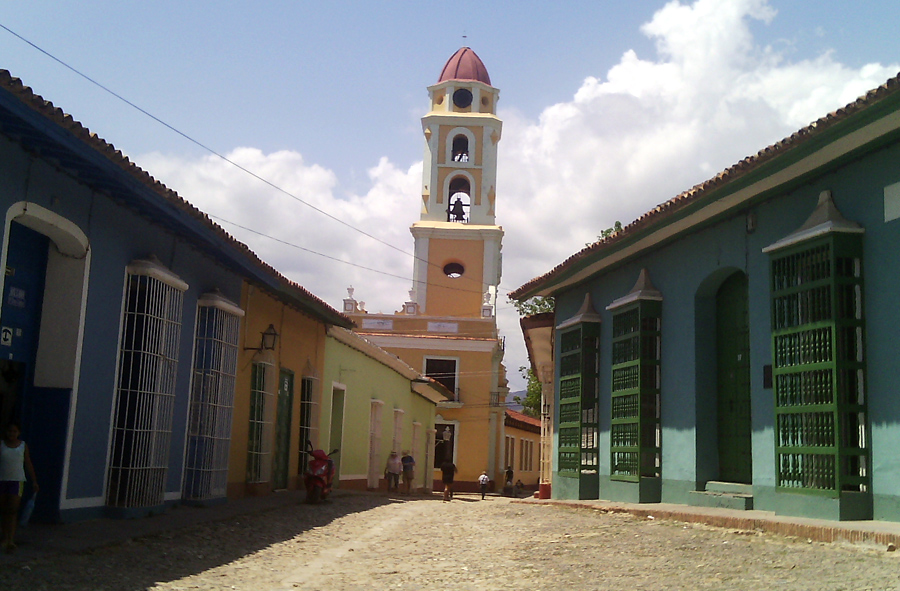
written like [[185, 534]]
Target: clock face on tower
[[462, 98]]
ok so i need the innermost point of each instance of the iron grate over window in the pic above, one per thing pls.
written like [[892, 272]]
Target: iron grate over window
[[819, 366], [145, 395], [635, 430], [307, 431], [212, 399], [262, 409], [578, 420]]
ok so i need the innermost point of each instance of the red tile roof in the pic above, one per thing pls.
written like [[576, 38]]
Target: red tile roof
[[522, 421]]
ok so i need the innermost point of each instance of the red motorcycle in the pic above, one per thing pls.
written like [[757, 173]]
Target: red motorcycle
[[319, 474]]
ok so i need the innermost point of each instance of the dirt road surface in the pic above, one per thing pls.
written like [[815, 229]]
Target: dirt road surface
[[365, 541]]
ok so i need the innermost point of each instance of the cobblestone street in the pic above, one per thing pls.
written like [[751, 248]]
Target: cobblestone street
[[363, 541]]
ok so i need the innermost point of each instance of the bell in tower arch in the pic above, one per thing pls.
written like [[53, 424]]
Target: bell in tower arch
[[459, 200]]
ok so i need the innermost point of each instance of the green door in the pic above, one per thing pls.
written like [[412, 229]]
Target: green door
[[733, 362], [283, 430]]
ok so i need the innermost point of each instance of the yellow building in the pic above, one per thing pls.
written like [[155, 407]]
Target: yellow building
[[447, 328], [278, 389], [521, 449]]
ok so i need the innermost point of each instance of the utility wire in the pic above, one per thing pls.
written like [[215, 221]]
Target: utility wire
[[242, 169], [198, 143]]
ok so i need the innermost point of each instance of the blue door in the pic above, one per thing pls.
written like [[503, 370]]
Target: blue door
[[42, 412]]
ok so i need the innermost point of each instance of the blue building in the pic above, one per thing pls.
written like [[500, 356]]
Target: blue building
[[735, 346], [117, 318]]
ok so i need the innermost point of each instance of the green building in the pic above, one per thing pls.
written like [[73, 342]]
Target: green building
[[374, 403], [734, 346]]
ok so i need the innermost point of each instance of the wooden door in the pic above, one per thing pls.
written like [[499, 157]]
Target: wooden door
[[733, 362]]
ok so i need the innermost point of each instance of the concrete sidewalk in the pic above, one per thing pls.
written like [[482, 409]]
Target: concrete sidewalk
[[885, 533]]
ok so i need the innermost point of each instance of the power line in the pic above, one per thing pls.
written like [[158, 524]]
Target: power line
[[246, 171], [199, 143]]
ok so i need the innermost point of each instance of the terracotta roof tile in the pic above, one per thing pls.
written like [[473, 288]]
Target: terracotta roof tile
[[522, 421]]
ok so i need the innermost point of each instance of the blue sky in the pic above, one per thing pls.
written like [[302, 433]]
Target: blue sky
[[609, 108]]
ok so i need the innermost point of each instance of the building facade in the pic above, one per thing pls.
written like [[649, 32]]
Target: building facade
[[734, 346], [377, 404], [123, 315], [447, 328]]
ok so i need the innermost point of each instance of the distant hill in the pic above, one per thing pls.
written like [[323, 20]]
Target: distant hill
[[511, 402]]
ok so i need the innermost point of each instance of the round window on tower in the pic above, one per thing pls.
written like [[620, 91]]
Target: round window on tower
[[462, 98], [454, 270]]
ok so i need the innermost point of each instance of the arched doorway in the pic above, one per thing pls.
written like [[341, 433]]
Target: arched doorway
[[45, 258], [733, 380]]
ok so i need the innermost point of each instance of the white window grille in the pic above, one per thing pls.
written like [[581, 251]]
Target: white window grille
[[374, 444], [212, 397], [262, 409], [307, 430], [527, 458], [397, 441], [144, 403], [509, 455]]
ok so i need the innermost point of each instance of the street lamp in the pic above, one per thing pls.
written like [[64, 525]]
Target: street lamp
[[267, 342], [446, 436]]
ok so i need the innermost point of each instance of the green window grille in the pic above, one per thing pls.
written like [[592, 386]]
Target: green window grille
[[578, 428], [635, 427], [819, 366]]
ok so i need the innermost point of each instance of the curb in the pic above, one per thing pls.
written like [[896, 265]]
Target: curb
[[817, 532]]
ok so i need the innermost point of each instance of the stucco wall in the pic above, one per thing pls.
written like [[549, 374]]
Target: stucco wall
[[363, 379], [688, 272], [300, 350], [117, 236]]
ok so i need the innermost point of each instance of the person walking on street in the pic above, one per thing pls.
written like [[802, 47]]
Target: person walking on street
[[508, 482], [448, 472], [483, 480], [15, 461], [409, 465], [392, 471]]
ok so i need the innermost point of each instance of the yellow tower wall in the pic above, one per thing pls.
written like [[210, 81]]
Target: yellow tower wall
[[460, 296]]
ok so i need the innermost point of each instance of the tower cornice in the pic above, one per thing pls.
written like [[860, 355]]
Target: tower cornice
[[428, 229]]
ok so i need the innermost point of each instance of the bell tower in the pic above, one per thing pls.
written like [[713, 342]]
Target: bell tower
[[457, 242], [447, 330]]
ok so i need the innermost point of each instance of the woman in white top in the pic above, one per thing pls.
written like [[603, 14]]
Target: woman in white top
[[14, 462]]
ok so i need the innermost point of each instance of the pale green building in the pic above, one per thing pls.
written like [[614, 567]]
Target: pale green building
[[374, 403]]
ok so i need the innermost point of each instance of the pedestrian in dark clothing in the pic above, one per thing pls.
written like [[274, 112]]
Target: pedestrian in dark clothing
[[409, 465], [508, 482], [448, 472]]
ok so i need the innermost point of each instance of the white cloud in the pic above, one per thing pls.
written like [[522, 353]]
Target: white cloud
[[654, 127], [385, 212]]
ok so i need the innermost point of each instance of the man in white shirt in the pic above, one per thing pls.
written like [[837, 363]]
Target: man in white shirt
[[483, 480]]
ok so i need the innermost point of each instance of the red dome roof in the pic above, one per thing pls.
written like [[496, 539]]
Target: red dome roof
[[465, 65]]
